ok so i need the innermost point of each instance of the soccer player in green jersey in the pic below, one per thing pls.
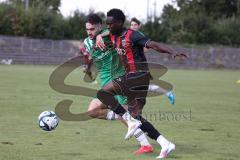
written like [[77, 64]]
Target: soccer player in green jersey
[[109, 67]]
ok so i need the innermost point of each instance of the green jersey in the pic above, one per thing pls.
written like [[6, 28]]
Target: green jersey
[[107, 62]]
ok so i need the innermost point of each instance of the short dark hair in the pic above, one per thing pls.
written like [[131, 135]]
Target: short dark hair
[[134, 19], [117, 14], [93, 19]]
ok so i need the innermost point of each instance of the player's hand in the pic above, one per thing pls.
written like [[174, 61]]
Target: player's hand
[[88, 72], [179, 55], [100, 43], [90, 76]]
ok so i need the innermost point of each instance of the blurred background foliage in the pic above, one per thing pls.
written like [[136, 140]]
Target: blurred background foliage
[[192, 22]]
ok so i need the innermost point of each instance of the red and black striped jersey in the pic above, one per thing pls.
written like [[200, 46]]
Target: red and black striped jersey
[[130, 47]]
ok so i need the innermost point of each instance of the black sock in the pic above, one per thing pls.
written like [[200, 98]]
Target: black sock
[[149, 128], [119, 110]]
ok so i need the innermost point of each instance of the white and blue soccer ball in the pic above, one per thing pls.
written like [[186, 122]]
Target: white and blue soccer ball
[[48, 120]]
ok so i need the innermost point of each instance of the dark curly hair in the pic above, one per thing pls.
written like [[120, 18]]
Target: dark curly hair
[[117, 14], [134, 19], [93, 19]]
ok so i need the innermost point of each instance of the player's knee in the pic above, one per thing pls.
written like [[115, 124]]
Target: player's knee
[[95, 103], [93, 108]]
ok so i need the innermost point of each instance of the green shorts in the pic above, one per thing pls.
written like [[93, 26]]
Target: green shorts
[[121, 99]]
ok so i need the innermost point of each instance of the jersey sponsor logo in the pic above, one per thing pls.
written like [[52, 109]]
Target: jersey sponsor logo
[[99, 57], [119, 79], [121, 51]]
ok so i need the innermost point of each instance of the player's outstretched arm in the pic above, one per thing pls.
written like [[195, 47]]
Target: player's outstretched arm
[[162, 48]]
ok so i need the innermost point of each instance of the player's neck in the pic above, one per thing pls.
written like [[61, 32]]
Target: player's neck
[[121, 32]]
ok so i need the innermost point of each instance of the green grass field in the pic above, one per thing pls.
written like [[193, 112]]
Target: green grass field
[[211, 132]]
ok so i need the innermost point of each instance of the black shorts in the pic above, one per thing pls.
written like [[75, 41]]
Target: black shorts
[[134, 86]]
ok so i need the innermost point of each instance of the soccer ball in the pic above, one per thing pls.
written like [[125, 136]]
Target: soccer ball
[[48, 120]]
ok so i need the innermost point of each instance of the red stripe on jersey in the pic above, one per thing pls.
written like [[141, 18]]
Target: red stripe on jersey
[[117, 45], [129, 52], [122, 57], [112, 39], [118, 42]]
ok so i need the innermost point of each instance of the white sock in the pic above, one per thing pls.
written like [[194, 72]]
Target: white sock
[[162, 141], [141, 137], [128, 118], [153, 87], [111, 115], [156, 89]]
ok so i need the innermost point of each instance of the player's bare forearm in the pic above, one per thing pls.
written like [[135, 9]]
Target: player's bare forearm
[[162, 48], [87, 70], [88, 66]]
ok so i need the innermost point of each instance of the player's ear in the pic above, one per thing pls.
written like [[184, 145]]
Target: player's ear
[[99, 27], [121, 23]]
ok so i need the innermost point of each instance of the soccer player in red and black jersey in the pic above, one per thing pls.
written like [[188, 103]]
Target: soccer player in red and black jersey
[[134, 84]]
